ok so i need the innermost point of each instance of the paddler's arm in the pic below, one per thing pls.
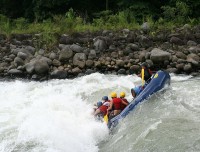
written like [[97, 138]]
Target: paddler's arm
[[125, 103], [110, 107]]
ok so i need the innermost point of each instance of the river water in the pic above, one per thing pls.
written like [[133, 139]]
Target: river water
[[55, 116]]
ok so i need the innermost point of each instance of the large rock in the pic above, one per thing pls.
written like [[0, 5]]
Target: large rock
[[18, 61], [41, 67], [58, 74], [181, 55], [15, 72], [56, 63], [92, 54], [120, 63], [65, 54], [30, 67], [22, 55], [145, 42], [176, 41], [76, 48], [159, 56], [79, 60], [100, 45]]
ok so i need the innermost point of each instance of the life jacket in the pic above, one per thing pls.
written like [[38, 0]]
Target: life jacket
[[103, 109], [123, 105], [117, 103]]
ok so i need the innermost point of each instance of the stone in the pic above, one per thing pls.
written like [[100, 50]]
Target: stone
[[159, 56], [79, 60]]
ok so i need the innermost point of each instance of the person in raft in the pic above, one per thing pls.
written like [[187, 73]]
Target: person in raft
[[122, 97], [147, 72], [115, 105], [102, 110], [136, 91]]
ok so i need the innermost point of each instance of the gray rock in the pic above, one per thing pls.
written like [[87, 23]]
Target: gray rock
[[159, 56], [174, 58], [79, 60], [56, 63], [191, 43], [18, 61], [181, 55], [89, 71], [133, 47], [89, 63], [30, 67], [52, 56], [172, 70], [180, 66], [22, 55], [121, 71], [65, 54], [120, 63], [187, 68], [100, 45], [92, 54], [176, 41], [194, 57], [41, 52], [194, 49], [41, 67], [145, 42], [58, 74], [76, 70], [76, 48], [12, 56], [145, 27], [15, 72]]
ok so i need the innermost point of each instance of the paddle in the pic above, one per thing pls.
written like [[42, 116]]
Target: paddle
[[105, 118], [142, 76]]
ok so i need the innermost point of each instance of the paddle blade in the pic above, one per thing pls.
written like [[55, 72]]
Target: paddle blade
[[142, 77], [105, 118]]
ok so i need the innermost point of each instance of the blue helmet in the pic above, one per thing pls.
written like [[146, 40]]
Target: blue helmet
[[105, 98], [99, 104]]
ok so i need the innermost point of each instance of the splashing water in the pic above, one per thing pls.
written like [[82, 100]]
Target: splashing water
[[55, 116]]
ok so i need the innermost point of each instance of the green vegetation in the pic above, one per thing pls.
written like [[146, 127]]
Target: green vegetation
[[50, 19]]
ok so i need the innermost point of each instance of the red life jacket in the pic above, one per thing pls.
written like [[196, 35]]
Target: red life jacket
[[103, 109], [117, 102], [123, 105]]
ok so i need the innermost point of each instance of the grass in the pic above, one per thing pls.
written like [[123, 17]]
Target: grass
[[51, 28]]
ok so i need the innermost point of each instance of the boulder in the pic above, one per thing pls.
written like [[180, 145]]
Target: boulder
[[76, 70], [15, 72], [120, 63], [76, 48], [100, 45], [65, 54], [159, 56], [145, 42], [187, 68], [58, 74], [41, 67], [79, 60], [56, 62], [92, 54], [22, 55], [181, 55], [30, 67], [176, 41], [18, 61], [89, 63]]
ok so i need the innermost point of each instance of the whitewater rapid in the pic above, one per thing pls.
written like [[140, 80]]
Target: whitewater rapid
[[55, 116]]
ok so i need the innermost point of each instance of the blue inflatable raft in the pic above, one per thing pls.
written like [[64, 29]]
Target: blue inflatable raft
[[159, 81]]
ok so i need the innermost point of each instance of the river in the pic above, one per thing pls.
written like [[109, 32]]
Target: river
[[55, 116]]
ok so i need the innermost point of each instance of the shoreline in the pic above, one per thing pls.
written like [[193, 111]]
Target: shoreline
[[105, 52]]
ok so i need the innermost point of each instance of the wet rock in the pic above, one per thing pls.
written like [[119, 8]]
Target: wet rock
[[121, 71], [76, 70], [89, 71], [89, 63], [58, 74], [187, 68]]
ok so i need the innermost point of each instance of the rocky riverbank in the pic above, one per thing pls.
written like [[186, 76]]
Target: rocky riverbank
[[106, 52]]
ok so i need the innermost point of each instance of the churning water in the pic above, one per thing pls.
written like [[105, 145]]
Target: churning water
[[55, 116]]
